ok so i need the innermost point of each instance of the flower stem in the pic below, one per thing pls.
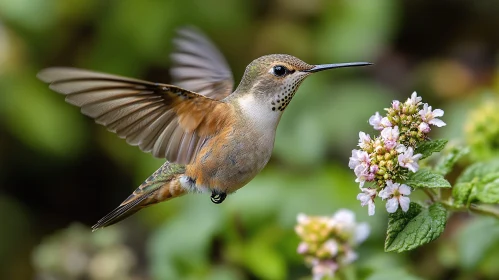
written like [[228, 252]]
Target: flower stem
[[478, 209], [430, 194], [484, 210]]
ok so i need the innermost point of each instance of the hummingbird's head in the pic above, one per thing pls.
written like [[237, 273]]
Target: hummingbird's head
[[275, 78]]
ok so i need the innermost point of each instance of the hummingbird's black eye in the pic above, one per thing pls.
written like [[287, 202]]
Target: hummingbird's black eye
[[280, 70]]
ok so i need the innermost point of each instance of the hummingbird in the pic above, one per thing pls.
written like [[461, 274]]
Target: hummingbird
[[215, 140]]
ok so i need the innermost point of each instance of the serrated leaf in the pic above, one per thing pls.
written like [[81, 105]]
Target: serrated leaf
[[484, 177], [416, 227], [489, 193], [461, 193], [429, 147], [480, 171], [446, 163], [425, 178]]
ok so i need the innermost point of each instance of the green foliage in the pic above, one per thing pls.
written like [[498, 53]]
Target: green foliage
[[418, 226], [426, 178], [429, 147], [478, 171], [392, 274], [447, 161], [477, 241], [251, 234], [461, 193], [478, 183]]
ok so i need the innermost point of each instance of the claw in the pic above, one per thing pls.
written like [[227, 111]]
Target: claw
[[218, 198]]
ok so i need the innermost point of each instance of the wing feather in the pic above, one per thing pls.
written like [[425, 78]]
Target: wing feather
[[168, 121], [197, 65]]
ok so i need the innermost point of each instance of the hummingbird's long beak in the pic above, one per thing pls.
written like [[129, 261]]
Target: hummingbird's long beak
[[323, 67]]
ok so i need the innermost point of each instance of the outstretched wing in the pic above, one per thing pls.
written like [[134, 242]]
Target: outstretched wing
[[198, 66], [168, 121]]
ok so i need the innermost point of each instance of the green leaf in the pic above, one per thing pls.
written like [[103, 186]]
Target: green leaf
[[461, 193], [446, 163], [484, 180], [476, 240], [429, 147], [489, 193], [416, 227], [425, 178], [392, 274], [480, 171]]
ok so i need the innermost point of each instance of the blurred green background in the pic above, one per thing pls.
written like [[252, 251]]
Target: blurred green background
[[60, 173]]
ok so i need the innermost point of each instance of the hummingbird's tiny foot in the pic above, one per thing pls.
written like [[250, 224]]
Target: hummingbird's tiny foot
[[217, 197]]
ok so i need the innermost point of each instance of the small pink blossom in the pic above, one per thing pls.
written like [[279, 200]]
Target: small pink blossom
[[430, 117], [424, 127], [396, 195], [350, 257], [379, 122], [366, 197], [361, 171], [364, 140], [396, 105], [302, 219], [358, 157], [362, 231], [302, 248], [391, 136], [385, 122], [321, 268], [331, 246], [414, 99], [375, 121], [408, 160]]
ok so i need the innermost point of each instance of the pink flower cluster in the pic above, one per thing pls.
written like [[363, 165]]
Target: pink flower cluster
[[327, 243], [387, 158]]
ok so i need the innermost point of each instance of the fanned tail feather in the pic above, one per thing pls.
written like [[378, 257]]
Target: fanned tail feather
[[160, 186]]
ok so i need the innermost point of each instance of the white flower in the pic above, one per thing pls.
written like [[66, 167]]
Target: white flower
[[396, 105], [361, 171], [302, 248], [375, 121], [400, 148], [408, 160], [344, 221], [331, 246], [414, 99], [424, 127], [391, 136], [358, 157], [361, 233], [302, 219], [430, 117], [350, 257], [396, 195], [323, 268], [364, 140], [345, 217], [385, 122], [366, 197], [378, 122]]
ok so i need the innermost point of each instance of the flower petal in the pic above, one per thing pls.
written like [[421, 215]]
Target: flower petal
[[370, 208], [437, 122], [302, 218], [391, 205], [404, 203], [361, 232], [405, 189], [438, 113]]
